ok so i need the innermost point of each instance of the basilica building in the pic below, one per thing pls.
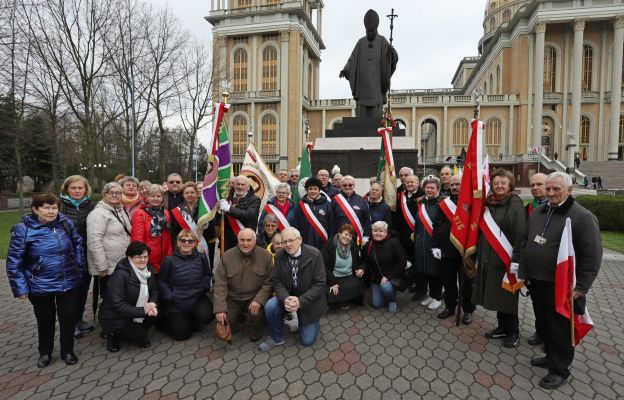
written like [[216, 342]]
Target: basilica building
[[550, 73]]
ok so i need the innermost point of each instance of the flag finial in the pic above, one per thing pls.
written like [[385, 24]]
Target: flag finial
[[225, 95]]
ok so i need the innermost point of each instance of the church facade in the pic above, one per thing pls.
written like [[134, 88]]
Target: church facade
[[550, 73]]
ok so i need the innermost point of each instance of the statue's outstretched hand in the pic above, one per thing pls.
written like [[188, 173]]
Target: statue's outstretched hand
[[344, 74]]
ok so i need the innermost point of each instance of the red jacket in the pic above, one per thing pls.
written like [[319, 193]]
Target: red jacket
[[160, 246]]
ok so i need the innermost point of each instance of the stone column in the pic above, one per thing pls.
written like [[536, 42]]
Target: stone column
[[319, 21], [577, 70], [616, 87], [540, 37]]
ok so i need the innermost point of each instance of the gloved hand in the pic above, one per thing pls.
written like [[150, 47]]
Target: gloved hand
[[513, 268], [437, 253], [224, 205]]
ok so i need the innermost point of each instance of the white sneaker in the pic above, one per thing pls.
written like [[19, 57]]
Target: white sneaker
[[434, 304], [426, 301]]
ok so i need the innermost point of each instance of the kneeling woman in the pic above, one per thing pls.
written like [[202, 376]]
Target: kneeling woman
[[129, 307], [342, 264], [183, 283], [385, 259]]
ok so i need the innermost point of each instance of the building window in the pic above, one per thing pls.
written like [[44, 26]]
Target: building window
[[588, 61], [269, 136], [244, 3], [240, 70], [269, 68], [498, 88], [507, 15], [584, 137], [239, 135], [492, 24], [493, 137], [550, 69], [460, 132], [621, 129], [310, 80]]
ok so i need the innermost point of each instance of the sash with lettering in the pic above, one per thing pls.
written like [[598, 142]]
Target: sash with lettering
[[316, 224], [282, 222], [351, 215], [503, 249], [425, 219], [186, 222], [407, 215], [448, 208]]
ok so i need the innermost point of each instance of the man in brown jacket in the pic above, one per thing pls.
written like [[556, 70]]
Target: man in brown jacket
[[243, 284]]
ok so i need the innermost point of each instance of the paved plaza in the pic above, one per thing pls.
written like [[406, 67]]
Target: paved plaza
[[361, 353]]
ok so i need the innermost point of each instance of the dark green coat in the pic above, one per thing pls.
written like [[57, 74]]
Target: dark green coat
[[510, 216]]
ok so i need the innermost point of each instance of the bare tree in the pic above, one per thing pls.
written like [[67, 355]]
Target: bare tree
[[195, 93]]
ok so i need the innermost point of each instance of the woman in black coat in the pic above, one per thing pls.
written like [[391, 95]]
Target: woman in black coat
[[76, 204], [342, 260], [129, 307], [184, 280], [385, 261]]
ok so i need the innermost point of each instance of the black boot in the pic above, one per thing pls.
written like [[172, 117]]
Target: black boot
[[111, 343]]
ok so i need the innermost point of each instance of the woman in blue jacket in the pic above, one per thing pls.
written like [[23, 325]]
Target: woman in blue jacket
[[45, 265]]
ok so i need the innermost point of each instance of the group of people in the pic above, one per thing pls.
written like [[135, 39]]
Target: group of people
[[285, 262]]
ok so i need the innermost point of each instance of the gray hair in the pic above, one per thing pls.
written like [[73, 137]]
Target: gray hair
[[125, 179], [109, 186], [408, 169], [376, 184], [383, 225], [174, 174], [283, 185], [270, 218], [567, 180], [153, 188], [348, 178], [293, 230], [247, 230]]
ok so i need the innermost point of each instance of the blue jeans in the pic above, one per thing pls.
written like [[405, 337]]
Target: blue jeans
[[274, 311], [382, 294]]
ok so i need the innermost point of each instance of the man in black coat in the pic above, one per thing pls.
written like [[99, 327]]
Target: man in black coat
[[241, 210], [538, 266], [300, 286]]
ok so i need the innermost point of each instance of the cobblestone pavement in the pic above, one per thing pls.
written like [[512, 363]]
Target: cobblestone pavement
[[361, 353]]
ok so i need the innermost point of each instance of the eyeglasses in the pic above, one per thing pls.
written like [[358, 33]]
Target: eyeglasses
[[186, 241], [140, 257], [115, 194], [284, 193], [347, 185], [289, 241], [175, 182], [271, 225]]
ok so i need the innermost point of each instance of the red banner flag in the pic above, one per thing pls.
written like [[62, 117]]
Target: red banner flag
[[465, 227]]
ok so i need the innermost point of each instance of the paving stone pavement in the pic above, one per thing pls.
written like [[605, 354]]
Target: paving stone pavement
[[360, 353]]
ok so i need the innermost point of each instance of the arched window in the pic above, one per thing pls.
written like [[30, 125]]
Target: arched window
[[493, 136], [507, 15], [310, 80], [239, 135], [492, 84], [498, 88], [621, 129], [492, 24], [460, 132], [585, 128], [550, 69], [269, 136], [588, 61], [240, 70], [269, 68]]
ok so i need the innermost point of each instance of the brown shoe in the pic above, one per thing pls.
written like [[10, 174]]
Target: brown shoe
[[255, 335]]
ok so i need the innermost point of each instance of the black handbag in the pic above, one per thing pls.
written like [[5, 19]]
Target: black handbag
[[399, 284]]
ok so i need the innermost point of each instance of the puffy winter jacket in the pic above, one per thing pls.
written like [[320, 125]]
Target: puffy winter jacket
[[322, 210], [78, 214], [160, 246], [107, 238], [184, 280], [119, 305], [45, 258]]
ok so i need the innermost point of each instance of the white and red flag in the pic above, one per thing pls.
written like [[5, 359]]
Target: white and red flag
[[565, 282]]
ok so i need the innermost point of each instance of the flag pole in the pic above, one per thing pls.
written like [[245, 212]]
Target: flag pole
[[572, 341], [225, 95]]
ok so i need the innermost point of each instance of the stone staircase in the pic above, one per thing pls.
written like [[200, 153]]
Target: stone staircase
[[561, 167], [611, 172]]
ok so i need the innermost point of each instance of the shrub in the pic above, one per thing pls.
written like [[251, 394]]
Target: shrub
[[608, 209]]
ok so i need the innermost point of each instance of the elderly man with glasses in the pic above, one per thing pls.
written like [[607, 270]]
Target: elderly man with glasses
[[174, 191], [299, 284], [351, 208]]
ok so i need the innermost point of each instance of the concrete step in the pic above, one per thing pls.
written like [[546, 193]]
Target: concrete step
[[611, 172]]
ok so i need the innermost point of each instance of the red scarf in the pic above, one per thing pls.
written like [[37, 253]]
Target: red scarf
[[284, 208]]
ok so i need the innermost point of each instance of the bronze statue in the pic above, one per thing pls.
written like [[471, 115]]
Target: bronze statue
[[368, 70]]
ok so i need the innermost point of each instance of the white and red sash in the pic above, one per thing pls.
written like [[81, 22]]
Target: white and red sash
[[186, 222], [425, 219], [235, 225], [502, 247], [282, 222], [448, 208], [316, 224], [351, 215], [407, 215]]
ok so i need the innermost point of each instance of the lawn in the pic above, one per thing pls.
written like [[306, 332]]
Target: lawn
[[613, 241], [7, 220]]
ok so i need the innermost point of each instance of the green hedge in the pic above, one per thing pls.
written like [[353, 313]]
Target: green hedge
[[608, 209]]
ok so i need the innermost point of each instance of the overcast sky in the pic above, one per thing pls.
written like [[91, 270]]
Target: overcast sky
[[431, 37]]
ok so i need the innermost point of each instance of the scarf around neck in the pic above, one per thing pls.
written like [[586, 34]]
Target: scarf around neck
[[143, 291], [343, 251], [74, 202], [159, 220]]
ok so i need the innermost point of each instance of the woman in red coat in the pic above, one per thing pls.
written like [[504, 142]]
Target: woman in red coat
[[151, 225]]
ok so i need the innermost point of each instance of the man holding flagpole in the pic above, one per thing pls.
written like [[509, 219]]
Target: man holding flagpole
[[556, 278]]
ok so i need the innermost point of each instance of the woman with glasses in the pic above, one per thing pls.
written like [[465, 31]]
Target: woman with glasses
[[183, 283], [76, 205], [129, 308], [151, 225], [281, 207], [108, 234], [45, 264], [269, 230], [342, 260], [131, 199]]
